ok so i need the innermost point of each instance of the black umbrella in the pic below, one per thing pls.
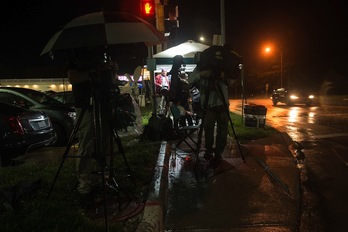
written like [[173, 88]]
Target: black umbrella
[[103, 29]]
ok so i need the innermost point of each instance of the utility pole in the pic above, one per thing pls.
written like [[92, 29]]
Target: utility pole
[[222, 22], [281, 69]]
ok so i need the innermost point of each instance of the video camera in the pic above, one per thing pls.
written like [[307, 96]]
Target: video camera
[[219, 59], [93, 75]]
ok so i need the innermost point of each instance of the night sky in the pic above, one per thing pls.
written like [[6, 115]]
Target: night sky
[[302, 30], [307, 32]]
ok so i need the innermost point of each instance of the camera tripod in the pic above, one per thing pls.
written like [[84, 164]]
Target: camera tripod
[[214, 85], [101, 116]]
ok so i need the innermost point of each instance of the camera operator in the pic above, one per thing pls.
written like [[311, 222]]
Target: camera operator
[[175, 89], [212, 77], [89, 80], [179, 91]]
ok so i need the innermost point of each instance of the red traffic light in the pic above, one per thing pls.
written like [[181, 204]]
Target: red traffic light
[[148, 7]]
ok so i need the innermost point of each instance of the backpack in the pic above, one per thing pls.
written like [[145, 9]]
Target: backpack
[[159, 128]]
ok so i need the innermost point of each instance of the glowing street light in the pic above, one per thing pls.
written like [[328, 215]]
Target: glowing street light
[[268, 50]]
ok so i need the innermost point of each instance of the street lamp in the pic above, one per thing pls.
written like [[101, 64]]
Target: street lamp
[[268, 50]]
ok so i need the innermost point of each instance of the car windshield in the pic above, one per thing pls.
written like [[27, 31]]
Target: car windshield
[[39, 96]]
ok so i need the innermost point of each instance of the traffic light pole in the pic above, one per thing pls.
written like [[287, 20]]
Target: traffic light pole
[[222, 19]]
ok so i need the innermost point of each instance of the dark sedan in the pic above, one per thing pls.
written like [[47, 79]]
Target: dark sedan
[[61, 116], [22, 130], [126, 114], [291, 97]]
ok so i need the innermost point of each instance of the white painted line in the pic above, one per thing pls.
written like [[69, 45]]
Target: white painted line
[[340, 157], [330, 135]]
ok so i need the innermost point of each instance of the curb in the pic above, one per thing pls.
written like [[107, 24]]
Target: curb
[[155, 206], [290, 148]]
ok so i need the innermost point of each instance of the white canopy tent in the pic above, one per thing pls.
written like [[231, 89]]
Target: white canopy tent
[[187, 49]]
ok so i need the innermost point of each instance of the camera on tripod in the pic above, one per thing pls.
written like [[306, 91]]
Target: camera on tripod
[[219, 59]]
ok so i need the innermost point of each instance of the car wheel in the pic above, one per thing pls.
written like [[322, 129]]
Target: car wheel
[[61, 137], [274, 102]]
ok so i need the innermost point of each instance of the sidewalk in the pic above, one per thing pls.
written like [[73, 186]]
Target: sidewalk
[[260, 194]]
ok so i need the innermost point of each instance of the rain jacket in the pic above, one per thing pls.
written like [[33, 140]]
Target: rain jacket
[[208, 81]]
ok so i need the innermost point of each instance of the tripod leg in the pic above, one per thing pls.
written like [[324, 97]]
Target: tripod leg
[[230, 119], [121, 150], [199, 141], [201, 129], [67, 149], [99, 152]]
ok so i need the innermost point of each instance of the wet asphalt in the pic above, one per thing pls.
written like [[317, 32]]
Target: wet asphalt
[[255, 188]]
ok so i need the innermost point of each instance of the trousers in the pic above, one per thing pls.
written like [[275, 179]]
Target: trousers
[[218, 118], [89, 164]]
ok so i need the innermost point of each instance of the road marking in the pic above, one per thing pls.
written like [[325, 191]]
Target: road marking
[[330, 135], [340, 157]]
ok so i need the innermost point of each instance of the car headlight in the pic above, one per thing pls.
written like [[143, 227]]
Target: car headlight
[[311, 96], [294, 97]]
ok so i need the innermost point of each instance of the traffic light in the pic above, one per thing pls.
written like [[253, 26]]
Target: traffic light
[[147, 8], [148, 11]]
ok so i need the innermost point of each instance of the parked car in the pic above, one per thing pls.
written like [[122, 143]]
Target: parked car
[[62, 117], [66, 97], [23, 130], [291, 97], [126, 115]]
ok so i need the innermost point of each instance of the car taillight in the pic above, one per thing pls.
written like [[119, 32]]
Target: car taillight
[[15, 124]]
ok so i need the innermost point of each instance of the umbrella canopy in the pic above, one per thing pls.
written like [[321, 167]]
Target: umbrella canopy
[[103, 29]]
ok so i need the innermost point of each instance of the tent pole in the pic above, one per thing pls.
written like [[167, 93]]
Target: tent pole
[[152, 82]]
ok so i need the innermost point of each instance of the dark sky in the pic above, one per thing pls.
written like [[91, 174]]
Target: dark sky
[[305, 31], [302, 30]]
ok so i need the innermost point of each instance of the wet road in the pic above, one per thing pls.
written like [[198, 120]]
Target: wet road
[[322, 131], [302, 122]]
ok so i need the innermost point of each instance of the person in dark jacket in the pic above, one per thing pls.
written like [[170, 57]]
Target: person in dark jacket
[[213, 74], [91, 83], [179, 89], [175, 89]]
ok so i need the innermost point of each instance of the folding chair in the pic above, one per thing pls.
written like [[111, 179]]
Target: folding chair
[[185, 133]]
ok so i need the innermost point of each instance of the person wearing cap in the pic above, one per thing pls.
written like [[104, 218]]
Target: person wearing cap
[[175, 82]]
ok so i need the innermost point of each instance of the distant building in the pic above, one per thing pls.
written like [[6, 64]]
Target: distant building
[[40, 84]]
